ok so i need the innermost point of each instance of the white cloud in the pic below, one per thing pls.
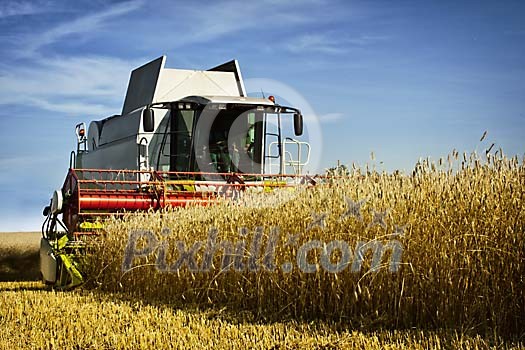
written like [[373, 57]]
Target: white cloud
[[76, 85], [74, 108], [97, 84], [315, 42], [20, 8], [73, 85], [207, 22], [330, 118], [330, 43], [82, 25]]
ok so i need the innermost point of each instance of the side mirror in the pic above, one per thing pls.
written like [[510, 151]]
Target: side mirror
[[148, 120], [298, 124]]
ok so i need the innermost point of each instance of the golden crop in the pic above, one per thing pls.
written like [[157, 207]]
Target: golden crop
[[460, 223], [33, 318], [460, 282]]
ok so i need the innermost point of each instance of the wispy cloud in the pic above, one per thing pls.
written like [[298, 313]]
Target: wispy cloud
[[330, 118], [205, 23], [315, 42], [87, 85], [68, 84], [73, 108], [21, 8], [330, 43], [82, 25], [96, 84]]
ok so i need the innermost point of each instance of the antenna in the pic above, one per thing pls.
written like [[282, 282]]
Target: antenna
[[262, 92]]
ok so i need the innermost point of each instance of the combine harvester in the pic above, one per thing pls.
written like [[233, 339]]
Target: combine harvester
[[184, 136]]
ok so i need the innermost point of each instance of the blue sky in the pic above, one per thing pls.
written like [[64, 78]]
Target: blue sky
[[404, 79]]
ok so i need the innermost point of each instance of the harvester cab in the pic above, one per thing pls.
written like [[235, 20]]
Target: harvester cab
[[184, 136]]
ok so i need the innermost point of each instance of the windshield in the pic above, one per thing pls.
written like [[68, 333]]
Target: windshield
[[229, 140], [210, 140]]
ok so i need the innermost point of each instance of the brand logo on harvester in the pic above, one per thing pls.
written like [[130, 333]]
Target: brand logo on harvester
[[255, 249]]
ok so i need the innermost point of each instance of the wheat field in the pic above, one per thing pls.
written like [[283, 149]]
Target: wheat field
[[34, 318], [458, 225], [19, 256]]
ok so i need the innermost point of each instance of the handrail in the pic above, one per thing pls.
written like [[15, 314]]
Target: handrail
[[146, 155], [297, 165], [143, 160]]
